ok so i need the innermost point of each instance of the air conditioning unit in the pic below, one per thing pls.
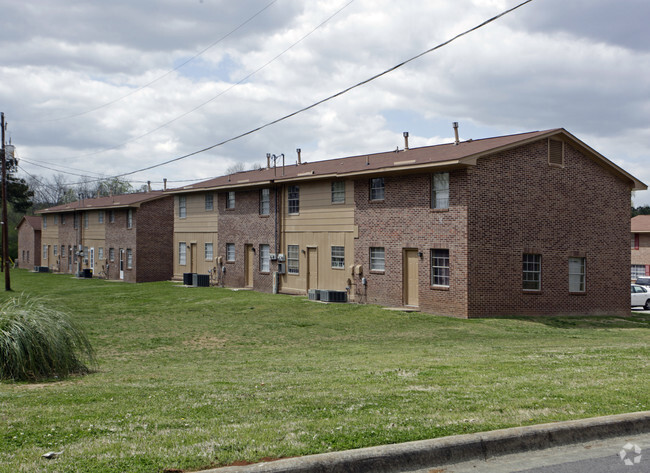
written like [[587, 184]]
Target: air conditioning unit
[[333, 296], [282, 268], [280, 257], [314, 294]]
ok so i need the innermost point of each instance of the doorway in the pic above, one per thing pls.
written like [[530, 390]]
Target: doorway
[[121, 263], [312, 268], [410, 276], [249, 258]]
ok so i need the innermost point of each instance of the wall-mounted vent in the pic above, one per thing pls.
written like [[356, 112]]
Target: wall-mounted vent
[[556, 152]]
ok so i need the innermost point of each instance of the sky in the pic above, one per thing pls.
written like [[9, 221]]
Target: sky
[[97, 89]]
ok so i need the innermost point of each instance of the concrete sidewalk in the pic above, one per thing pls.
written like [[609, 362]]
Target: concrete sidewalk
[[458, 448]]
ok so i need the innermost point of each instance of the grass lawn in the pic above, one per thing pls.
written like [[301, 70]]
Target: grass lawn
[[191, 378]]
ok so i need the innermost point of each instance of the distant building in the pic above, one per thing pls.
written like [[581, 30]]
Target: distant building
[[127, 237], [640, 246], [29, 242]]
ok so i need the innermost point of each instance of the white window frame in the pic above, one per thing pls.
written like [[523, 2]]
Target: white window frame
[[377, 188], [293, 259], [293, 200], [532, 272], [265, 258], [44, 251], [440, 190], [129, 258], [577, 274], [44, 222], [55, 250], [338, 257], [208, 251], [182, 206], [209, 202], [111, 255], [230, 252], [100, 216], [638, 271], [182, 253], [230, 200], [86, 219], [338, 192], [377, 258], [100, 253], [129, 218], [265, 201], [440, 267]]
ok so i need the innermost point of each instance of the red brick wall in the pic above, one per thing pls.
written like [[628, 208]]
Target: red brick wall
[[405, 220], [519, 204], [242, 226], [118, 236], [29, 240], [153, 252]]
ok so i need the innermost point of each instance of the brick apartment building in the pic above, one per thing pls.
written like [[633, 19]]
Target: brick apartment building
[[29, 241], [640, 246], [127, 237], [527, 224]]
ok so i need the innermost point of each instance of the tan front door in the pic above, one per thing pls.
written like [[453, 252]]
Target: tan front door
[[312, 268], [248, 265], [193, 260], [410, 271]]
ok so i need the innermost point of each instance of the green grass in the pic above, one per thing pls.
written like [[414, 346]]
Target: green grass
[[196, 377]]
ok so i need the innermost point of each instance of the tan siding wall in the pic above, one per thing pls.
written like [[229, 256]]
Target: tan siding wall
[[95, 230], [200, 238], [317, 212], [198, 219]]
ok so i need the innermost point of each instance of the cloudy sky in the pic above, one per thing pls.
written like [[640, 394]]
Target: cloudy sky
[[98, 88]]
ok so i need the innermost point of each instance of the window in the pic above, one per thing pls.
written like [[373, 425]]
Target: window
[[294, 200], [76, 221], [182, 249], [28, 256], [129, 218], [209, 202], [293, 261], [23, 255], [44, 221], [100, 216], [338, 192], [62, 251], [62, 219], [638, 271], [230, 252], [440, 191], [182, 206], [440, 268], [55, 218], [44, 251], [100, 253], [377, 259], [576, 274], [129, 258], [85, 219], [338, 257], [532, 272], [377, 188], [265, 201], [556, 152], [55, 247], [265, 259], [111, 254], [111, 216], [209, 254], [230, 200], [635, 241]]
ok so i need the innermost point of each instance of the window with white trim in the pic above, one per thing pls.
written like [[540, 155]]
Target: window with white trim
[[230, 200], [129, 218], [532, 272], [209, 202], [85, 219], [440, 268], [100, 216], [576, 274], [230, 252], [338, 192], [44, 251], [377, 259], [265, 201], [638, 271], [440, 191], [55, 249], [129, 258], [182, 206], [55, 219], [44, 221], [265, 259], [182, 253], [209, 253], [338, 257], [111, 255], [293, 259], [294, 200], [377, 188], [100, 253]]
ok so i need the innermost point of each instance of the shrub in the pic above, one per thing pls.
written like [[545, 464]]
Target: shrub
[[39, 342]]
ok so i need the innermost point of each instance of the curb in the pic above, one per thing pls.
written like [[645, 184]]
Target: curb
[[458, 448]]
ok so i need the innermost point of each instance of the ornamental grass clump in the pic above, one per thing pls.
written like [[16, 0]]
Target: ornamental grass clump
[[38, 342]]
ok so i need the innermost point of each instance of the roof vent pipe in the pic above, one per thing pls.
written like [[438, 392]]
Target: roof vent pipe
[[164, 183], [298, 151], [148, 186], [456, 133], [268, 160], [406, 140]]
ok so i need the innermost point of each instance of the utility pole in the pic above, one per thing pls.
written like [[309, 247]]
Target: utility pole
[[5, 220]]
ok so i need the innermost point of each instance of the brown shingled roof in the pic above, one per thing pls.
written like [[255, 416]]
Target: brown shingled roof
[[34, 222], [445, 155], [641, 224], [115, 201]]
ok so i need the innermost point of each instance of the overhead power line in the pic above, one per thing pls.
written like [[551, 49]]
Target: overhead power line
[[135, 91], [331, 97]]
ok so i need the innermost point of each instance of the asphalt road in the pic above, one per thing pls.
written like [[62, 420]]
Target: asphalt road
[[601, 456]]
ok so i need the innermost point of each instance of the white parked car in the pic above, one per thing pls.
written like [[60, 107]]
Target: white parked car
[[640, 296]]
